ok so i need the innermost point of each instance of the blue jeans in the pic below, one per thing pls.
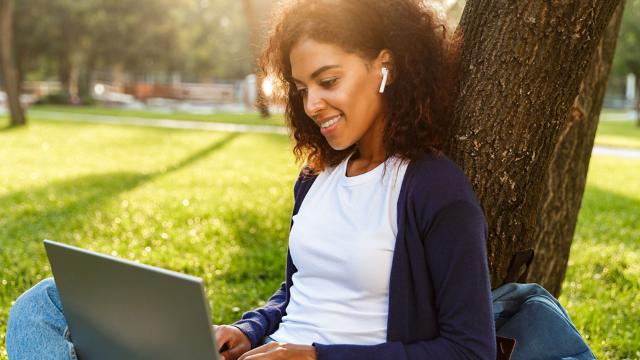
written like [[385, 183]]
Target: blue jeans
[[37, 328]]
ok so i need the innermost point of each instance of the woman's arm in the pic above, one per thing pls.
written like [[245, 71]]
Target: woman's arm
[[258, 323], [455, 249]]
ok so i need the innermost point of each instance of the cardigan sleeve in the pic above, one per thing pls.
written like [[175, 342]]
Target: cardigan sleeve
[[258, 323], [456, 254]]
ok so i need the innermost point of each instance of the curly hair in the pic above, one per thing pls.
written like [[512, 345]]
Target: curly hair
[[419, 102]]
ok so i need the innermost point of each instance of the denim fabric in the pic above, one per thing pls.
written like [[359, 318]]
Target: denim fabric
[[541, 326], [37, 328]]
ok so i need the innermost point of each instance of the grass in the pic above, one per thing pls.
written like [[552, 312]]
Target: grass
[[617, 133], [602, 289], [217, 206], [183, 200], [39, 111]]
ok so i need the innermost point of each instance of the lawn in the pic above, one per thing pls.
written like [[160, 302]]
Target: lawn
[[217, 206], [602, 289], [617, 133], [41, 111]]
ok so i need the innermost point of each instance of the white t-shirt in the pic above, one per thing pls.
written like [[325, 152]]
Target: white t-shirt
[[342, 243]]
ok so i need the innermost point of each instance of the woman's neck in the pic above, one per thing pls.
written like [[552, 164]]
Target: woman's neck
[[370, 151]]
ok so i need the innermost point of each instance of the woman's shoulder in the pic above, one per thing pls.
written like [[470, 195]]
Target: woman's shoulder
[[436, 180], [437, 169]]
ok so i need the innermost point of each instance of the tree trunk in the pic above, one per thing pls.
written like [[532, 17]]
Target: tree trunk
[[86, 78], [522, 64], [563, 194], [262, 103], [64, 75], [8, 68]]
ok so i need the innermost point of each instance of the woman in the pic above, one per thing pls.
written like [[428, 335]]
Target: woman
[[387, 250], [387, 245]]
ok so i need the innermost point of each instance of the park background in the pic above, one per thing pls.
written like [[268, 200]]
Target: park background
[[214, 201]]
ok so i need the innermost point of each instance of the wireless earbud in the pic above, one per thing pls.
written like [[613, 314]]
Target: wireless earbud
[[385, 73]]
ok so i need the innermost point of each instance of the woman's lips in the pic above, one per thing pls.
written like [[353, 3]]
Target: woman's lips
[[330, 125]]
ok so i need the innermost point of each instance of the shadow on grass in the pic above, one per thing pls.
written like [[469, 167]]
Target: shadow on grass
[[59, 208], [609, 218], [6, 127], [56, 211]]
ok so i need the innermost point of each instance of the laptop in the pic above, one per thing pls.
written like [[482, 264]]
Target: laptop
[[119, 309]]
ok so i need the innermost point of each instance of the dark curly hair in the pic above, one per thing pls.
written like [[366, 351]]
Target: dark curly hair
[[419, 102]]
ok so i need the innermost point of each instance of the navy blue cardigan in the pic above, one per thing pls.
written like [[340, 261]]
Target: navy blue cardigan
[[439, 291]]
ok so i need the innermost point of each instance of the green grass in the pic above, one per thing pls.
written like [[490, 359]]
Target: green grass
[[251, 119], [602, 289], [217, 206], [617, 133], [210, 204]]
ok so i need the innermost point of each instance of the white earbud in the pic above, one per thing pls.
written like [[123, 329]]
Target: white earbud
[[385, 73]]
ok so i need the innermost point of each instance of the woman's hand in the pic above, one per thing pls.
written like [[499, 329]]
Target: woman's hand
[[231, 342], [277, 350]]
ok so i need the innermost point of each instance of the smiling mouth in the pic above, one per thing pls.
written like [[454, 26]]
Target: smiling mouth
[[330, 122]]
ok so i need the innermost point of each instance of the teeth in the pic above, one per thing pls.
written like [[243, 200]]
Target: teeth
[[328, 123]]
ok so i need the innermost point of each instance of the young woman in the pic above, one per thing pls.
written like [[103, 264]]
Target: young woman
[[387, 253], [387, 245]]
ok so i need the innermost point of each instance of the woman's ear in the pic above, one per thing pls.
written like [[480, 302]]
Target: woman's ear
[[385, 60]]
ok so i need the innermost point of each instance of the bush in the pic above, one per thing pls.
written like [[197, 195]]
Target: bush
[[57, 98]]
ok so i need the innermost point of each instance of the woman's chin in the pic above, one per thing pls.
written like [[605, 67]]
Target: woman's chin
[[338, 146]]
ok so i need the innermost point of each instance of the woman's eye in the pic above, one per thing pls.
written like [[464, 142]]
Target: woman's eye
[[328, 82]]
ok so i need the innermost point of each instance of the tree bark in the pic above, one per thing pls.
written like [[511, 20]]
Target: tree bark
[[86, 77], [563, 194], [522, 64], [262, 103], [7, 63], [64, 75]]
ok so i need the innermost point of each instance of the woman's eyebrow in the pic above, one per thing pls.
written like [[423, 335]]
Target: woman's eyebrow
[[319, 71]]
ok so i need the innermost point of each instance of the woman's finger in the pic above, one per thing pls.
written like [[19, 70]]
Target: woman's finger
[[261, 349], [222, 338]]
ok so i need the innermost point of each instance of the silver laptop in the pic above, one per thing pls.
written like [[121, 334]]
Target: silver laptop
[[119, 309]]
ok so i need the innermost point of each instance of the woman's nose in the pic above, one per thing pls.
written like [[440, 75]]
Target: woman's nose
[[314, 102]]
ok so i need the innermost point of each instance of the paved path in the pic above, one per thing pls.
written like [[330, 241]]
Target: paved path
[[227, 127], [621, 152]]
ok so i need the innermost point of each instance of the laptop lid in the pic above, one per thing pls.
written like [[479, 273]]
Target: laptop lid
[[119, 309]]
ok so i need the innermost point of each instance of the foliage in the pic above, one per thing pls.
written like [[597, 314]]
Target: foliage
[[198, 38], [54, 98], [211, 205], [627, 58]]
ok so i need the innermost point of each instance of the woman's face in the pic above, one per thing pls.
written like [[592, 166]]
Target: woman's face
[[340, 92]]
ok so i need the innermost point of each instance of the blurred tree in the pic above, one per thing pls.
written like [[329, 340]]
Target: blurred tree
[[522, 65], [51, 31], [627, 58], [256, 28], [7, 64], [218, 40], [72, 40]]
